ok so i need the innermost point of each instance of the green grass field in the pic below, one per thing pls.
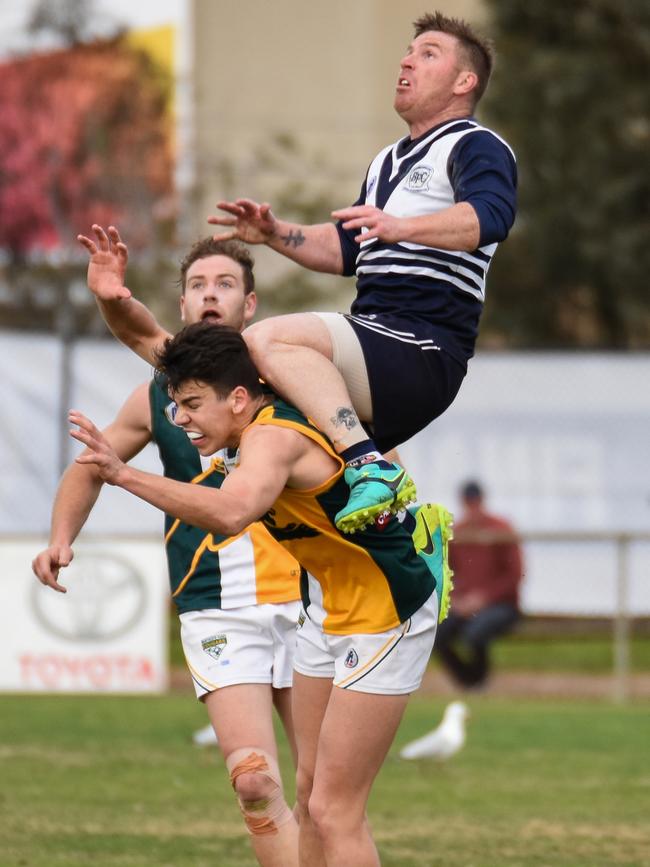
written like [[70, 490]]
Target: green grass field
[[116, 781]]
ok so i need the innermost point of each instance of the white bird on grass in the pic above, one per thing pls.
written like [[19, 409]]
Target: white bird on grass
[[205, 737], [445, 740]]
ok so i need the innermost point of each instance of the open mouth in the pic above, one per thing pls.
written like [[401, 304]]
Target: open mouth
[[210, 316], [195, 437]]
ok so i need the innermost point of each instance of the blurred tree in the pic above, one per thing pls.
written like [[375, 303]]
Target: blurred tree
[[570, 93], [71, 20], [302, 188], [85, 136]]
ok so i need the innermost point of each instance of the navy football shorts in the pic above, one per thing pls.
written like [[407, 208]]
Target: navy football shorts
[[412, 380]]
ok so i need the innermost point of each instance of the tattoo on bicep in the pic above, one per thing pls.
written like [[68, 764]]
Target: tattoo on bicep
[[293, 239], [345, 417]]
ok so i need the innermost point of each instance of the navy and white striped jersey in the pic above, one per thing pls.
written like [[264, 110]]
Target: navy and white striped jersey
[[457, 161]]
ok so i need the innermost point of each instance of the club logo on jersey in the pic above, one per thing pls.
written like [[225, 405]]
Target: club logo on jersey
[[214, 646], [170, 412], [293, 530], [418, 179], [301, 620], [371, 185], [352, 659]]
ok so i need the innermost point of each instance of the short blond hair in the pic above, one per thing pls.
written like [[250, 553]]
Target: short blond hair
[[477, 51]]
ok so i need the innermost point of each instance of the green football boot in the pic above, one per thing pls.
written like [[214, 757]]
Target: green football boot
[[373, 490], [433, 530]]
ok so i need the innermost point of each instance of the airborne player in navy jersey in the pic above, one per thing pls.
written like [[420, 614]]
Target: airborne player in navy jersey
[[420, 239]]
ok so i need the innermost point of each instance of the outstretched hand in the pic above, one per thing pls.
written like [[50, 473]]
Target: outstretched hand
[[373, 223], [47, 564], [98, 451], [248, 221], [107, 265]]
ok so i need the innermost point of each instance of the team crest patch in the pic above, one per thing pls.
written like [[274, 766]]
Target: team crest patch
[[352, 659], [418, 179], [170, 412], [214, 645], [371, 185], [301, 619]]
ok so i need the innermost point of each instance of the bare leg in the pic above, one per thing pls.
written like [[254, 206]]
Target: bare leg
[[294, 355], [242, 716], [357, 731], [343, 738], [310, 698], [282, 702]]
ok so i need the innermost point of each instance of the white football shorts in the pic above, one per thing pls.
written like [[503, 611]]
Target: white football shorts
[[387, 663], [252, 644]]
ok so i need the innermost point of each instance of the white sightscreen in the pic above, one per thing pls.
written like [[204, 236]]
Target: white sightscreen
[[560, 441]]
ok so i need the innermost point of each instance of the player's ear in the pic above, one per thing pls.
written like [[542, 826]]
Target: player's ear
[[182, 306], [250, 306], [465, 82], [238, 399]]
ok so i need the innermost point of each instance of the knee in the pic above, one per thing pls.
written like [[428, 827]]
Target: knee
[[255, 777], [304, 786], [251, 788], [326, 815], [262, 338]]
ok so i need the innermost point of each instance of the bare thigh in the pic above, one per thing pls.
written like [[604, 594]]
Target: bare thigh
[[282, 702], [356, 733], [294, 329], [343, 738], [310, 696], [242, 716]]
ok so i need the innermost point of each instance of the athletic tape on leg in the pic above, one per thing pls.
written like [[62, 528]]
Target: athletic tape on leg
[[264, 815]]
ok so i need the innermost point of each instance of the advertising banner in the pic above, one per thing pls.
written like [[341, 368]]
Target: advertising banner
[[107, 634]]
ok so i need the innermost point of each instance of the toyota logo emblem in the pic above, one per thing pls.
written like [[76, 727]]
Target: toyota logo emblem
[[106, 597]]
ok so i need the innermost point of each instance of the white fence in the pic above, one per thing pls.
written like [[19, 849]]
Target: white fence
[[619, 591]]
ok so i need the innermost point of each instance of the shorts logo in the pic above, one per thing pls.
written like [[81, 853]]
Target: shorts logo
[[418, 179], [170, 412], [214, 645], [352, 659]]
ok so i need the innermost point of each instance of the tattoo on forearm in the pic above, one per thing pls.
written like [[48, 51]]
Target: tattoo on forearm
[[293, 239], [345, 417]]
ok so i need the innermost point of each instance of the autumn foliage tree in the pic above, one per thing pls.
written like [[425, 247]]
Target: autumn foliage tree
[[84, 137]]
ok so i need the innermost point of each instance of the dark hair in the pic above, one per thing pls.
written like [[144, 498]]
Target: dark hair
[[214, 354], [234, 250], [477, 51], [471, 491]]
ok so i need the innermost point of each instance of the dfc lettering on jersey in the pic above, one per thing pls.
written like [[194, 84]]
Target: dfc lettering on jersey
[[418, 179]]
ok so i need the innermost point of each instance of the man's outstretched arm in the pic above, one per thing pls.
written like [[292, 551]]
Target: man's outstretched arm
[[316, 247], [80, 486], [242, 499], [129, 320]]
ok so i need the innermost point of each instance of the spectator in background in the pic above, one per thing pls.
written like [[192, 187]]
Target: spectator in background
[[486, 558]]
